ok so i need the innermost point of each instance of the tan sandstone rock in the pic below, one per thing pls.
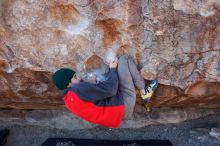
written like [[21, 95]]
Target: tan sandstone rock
[[174, 41]]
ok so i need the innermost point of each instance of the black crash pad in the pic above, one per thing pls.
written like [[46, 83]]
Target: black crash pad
[[90, 142]]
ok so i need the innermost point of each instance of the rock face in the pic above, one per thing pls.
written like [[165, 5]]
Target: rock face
[[63, 119], [174, 41], [206, 134]]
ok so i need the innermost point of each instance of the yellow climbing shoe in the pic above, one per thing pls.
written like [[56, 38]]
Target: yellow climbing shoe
[[150, 90]]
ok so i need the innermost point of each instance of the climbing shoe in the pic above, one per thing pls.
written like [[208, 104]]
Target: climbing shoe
[[150, 90]]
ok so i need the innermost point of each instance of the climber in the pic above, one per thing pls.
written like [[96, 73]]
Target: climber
[[104, 103]]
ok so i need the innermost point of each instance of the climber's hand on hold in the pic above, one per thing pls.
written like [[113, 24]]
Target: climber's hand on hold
[[114, 63], [92, 79]]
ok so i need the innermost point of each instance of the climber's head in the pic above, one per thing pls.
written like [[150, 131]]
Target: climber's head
[[64, 78]]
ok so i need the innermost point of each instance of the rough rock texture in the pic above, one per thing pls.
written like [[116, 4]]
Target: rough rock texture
[[178, 134], [63, 119], [206, 134], [175, 41]]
